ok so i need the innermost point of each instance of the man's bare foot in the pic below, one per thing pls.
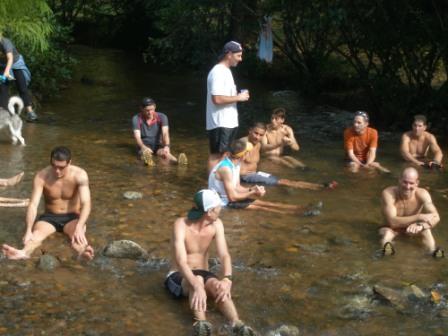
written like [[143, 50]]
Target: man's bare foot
[[87, 254], [13, 253], [15, 179]]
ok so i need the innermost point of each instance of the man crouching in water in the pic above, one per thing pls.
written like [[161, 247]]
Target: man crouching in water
[[409, 210], [189, 274], [67, 206]]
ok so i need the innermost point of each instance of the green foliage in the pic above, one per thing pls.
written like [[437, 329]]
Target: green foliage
[[26, 22], [52, 68]]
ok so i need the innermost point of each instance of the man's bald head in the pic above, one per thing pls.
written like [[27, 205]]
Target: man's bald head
[[409, 172]]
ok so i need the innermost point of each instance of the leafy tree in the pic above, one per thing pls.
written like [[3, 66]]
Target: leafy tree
[[27, 22]]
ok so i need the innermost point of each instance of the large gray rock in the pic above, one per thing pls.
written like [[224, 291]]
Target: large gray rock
[[125, 249], [47, 262], [395, 297]]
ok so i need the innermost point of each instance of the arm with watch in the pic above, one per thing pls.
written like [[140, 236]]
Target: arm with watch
[[165, 141], [224, 286]]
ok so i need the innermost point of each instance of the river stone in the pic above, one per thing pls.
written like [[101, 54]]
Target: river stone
[[132, 195], [359, 307], [285, 330], [397, 298], [414, 292], [124, 249], [47, 262]]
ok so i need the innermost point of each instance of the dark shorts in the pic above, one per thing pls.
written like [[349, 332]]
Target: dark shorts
[[173, 281], [58, 220], [154, 149], [220, 139], [260, 178], [240, 204]]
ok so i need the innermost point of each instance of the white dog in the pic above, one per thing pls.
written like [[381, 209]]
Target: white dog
[[12, 121]]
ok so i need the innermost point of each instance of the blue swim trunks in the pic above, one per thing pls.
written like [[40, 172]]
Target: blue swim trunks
[[260, 178]]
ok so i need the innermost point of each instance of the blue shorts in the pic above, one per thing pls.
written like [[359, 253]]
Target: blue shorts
[[260, 178]]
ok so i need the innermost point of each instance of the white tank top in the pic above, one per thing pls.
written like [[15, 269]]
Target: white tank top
[[215, 184]]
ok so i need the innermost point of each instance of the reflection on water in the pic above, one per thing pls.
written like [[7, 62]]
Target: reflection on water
[[292, 270]]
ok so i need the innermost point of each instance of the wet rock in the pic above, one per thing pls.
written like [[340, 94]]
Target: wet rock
[[132, 195], [443, 313], [359, 307], [125, 249], [285, 330], [393, 296], [47, 262], [413, 292]]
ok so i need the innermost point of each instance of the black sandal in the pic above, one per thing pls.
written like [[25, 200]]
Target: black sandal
[[438, 253], [388, 249]]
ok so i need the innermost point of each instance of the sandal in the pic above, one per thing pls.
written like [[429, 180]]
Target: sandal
[[438, 253], [240, 329], [202, 328], [330, 185], [147, 158], [388, 249]]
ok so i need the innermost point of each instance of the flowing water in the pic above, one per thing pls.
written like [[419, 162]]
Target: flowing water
[[310, 272]]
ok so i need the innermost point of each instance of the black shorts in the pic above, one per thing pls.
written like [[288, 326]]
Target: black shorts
[[58, 220], [173, 281], [240, 204], [220, 139]]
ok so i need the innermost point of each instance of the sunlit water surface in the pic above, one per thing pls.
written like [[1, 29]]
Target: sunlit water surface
[[288, 270]]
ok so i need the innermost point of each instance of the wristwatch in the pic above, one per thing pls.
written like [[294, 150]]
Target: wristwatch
[[230, 277]]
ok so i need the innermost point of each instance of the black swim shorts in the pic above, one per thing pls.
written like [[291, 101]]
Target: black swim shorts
[[58, 220], [220, 139], [173, 281], [240, 204]]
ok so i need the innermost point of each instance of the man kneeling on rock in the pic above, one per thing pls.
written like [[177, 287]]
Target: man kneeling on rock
[[189, 274], [67, 206], [409, 210]]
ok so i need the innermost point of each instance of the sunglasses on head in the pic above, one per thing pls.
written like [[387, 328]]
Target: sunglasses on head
[[362, 114]]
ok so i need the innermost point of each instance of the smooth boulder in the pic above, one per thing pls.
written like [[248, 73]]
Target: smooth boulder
[[125, 249], [47, 262]]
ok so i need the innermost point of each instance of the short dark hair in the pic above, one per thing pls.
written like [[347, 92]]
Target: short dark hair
[[61, 153], [147, 101], [259, 124], [237, 146], [279, 112], [421, 117]]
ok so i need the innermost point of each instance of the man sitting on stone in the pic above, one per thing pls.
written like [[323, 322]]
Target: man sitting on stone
[[409, 210], [225, 179], [361, 143], [278, 137], [67, 206], [189, 273], [151, 133], [416, 144], [249, 164]]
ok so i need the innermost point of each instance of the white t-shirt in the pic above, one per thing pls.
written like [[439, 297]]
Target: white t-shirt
[[220, 83]]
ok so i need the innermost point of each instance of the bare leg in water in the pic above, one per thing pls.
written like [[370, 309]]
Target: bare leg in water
[[8, 182]]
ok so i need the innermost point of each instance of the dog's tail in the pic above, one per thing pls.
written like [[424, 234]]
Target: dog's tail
[[13, 101]]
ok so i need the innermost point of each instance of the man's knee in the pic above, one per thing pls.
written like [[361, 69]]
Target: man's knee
[[386, 231]]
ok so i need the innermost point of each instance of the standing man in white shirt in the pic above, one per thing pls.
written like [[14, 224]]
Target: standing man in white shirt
[[222, 96]]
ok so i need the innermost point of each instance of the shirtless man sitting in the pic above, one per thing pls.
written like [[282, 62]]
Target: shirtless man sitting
[[189, 274], [361, 143], [416, 144], [8, 202], [225, 179], [67, 206], [249, 164], [278, 137], [409, 210]]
